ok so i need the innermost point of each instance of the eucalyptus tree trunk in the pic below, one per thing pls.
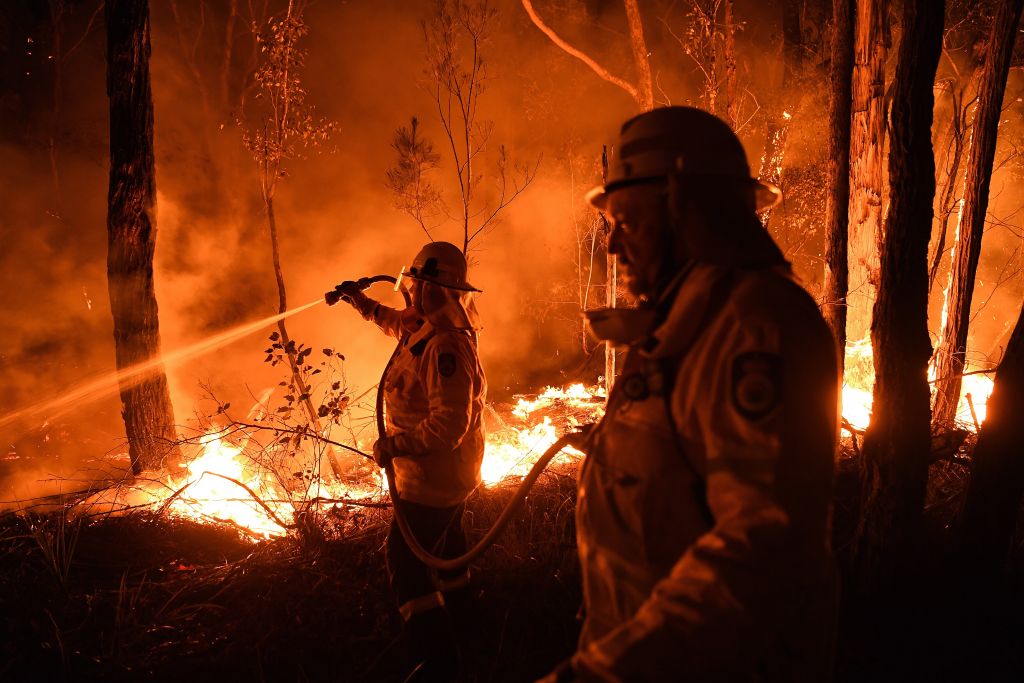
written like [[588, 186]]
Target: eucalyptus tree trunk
[[867, 162], [131, 236], [897, 443], [837, 207], [952, 347], [638, 44]]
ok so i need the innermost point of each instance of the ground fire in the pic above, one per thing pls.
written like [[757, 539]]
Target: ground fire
[[613, 330]]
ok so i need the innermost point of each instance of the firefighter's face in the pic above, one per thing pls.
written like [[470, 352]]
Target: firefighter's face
[[639, 224], [426, 297]]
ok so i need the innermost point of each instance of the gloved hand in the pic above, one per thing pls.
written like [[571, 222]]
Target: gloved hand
[[349, 291], [384, 450]]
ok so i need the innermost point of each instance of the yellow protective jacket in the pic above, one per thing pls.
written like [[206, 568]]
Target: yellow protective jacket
[[434, 398], [704, 503]]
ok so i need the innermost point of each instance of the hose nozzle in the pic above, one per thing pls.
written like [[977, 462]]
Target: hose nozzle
[[347, 290]]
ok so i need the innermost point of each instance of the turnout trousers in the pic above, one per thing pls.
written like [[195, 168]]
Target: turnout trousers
[[417, 587]]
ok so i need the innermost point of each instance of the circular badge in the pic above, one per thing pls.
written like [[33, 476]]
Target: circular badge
[[756, 384], [635, 387]]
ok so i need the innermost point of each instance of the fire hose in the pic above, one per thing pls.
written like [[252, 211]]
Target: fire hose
[[511, 508]]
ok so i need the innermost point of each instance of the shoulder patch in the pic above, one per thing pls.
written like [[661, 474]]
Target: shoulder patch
[[446, 364], [756, 384]]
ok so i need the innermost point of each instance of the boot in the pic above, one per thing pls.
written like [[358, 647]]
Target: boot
[[432, 637]]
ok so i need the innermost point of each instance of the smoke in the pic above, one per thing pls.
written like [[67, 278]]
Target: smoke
[[365, 70]]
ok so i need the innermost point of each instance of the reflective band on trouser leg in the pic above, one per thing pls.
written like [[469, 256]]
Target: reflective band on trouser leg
[[420, 604], [451, 583]]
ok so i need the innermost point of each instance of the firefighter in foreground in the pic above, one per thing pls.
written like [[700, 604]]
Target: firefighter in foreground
[[434, 398], [703, 505]]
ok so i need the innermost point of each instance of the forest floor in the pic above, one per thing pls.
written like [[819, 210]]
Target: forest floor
[[144, 597]]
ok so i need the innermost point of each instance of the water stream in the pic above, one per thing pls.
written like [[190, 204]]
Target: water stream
[[112, 381]]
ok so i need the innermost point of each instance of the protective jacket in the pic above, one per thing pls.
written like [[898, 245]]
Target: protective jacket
[[703, 509], [434, 398]]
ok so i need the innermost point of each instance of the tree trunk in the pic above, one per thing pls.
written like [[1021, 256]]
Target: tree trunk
[[644, 81], [131, 235], [732, 102], [993, 500], [837, 207], [611, 286], [867, 162], [286, 341], [952, 347], [955, 144], [779, 117], [896, 445]]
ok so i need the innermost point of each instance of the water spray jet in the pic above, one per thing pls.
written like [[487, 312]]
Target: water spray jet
[[114, 381]]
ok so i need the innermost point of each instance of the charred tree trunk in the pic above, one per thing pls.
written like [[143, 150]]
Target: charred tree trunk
[[952, 347], [837, 208], [867, 162], [896, 445], [994, 493], [131, 234], [779, 118]]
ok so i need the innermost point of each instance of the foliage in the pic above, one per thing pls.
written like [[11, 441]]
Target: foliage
[[708, 40], [456, 36], [56, 537], [287, 123], [296, 444], [414, 193]]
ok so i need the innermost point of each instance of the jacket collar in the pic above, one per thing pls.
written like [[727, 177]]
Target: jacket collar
[[686, 305]]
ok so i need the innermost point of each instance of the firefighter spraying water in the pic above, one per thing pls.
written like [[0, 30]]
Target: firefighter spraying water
[[431, 445]]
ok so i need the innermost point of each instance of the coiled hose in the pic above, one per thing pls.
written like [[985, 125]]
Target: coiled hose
[[425, 556]]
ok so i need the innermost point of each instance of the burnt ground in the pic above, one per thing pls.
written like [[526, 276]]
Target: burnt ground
[[148, 598]]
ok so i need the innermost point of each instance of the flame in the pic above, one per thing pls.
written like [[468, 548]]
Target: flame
[[223, 482], [207, 491], [512, 450], [859, 383], [230, 482]]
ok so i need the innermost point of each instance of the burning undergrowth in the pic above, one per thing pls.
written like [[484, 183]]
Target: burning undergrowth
[[161, 577], [268, 476]]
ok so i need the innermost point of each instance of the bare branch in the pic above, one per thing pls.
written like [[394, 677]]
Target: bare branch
[[582, 56]]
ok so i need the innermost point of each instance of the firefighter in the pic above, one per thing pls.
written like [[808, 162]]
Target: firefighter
[[704, 503], [434, 399]]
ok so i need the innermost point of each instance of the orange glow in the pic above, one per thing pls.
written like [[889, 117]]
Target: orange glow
[[859, 383], [536, 424], [225, 479]]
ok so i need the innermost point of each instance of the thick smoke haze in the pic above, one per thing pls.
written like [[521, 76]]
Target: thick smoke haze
[[337, 221]]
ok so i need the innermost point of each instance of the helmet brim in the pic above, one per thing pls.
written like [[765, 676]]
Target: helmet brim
[[766, 195], [463, 288]]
